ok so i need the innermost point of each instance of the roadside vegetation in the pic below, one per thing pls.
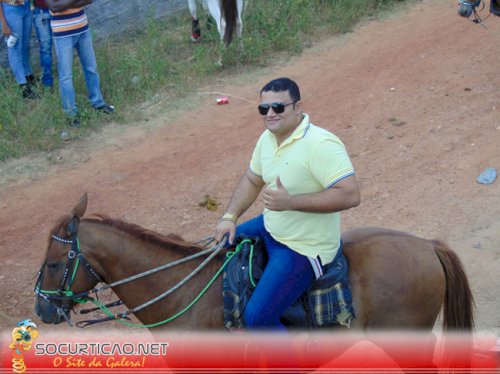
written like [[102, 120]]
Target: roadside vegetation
[[158, 60]]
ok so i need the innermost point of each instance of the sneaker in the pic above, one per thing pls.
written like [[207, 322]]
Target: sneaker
[[108, 109], [74, 122]]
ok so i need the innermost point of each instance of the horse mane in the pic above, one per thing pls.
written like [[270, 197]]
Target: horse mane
[[174, 241], [170, 240]]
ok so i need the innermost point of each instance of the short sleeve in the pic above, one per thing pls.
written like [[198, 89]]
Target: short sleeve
[[256, 161], [330, 162]]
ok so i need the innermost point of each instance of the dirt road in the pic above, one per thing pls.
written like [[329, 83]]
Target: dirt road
[[415, 97]]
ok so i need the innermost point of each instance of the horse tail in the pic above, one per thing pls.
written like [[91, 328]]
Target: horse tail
[[458, 309], [230, 14]]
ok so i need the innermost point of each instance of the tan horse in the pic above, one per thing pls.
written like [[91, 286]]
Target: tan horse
[[398, 281]]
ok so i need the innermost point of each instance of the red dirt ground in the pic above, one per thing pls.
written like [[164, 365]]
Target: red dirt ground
[[414, 96]]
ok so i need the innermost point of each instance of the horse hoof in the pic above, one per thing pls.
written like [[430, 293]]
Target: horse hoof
[[195, 38]]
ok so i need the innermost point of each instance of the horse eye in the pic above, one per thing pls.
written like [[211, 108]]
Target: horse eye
[[52, 266]]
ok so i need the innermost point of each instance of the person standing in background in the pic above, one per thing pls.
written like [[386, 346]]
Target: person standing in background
[[16, 21], [70, 31], [41, 21]]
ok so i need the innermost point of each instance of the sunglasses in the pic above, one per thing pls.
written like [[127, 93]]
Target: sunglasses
[[277, 107]]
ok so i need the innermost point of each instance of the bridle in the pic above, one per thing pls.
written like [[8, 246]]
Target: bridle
[[63, 293], [76, 257]]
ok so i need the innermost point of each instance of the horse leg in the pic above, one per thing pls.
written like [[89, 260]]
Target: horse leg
[[214, 8], [195, 24], [239, 22], [215, 12]]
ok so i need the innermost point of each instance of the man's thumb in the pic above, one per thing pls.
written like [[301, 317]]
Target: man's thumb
[[278, 183]]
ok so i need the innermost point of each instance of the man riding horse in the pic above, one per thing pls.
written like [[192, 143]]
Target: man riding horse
[[307, 178]]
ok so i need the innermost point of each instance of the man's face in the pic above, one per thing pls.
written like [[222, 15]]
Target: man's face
[[283, 124]]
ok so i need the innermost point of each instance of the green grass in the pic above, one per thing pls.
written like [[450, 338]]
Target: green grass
[[158, 60]]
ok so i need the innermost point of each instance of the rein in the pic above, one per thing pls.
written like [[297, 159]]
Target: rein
[[121, 316], [75, 256]]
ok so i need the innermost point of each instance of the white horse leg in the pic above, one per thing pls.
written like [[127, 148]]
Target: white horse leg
[[239, 22], [215, 11], [192, 8], [195, 24]]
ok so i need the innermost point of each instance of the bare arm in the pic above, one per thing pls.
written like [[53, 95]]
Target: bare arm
[[60, 5], [244, 195], [5, 27], [341, 196]]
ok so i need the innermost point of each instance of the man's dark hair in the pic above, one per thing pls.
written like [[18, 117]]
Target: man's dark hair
[[283, 84]]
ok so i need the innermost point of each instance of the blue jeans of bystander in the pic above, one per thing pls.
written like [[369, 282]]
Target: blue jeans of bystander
[[41, 21], [287, 275], [19, 19], [64, 50]]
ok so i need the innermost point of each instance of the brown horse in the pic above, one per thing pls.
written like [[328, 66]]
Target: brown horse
[[398, 281]]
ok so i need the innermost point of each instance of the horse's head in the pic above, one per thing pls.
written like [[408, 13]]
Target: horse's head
[[65, 275]]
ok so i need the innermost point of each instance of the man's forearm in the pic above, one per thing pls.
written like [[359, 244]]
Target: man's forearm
[[245, 194], [328, 201], [343, 195]]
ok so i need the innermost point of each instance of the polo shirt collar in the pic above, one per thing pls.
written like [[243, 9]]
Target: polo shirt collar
[[298, 133]]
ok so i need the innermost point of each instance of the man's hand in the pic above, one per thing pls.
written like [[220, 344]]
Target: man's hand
[[6, 29], [277, 199], [224, 228]]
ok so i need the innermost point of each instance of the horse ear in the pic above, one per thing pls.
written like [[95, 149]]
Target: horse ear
[[73, 226], [81, 207]]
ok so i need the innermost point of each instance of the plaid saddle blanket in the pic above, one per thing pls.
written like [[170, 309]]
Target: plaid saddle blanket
[[328, 303]]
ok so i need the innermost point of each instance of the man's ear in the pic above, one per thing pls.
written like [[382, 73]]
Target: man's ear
[[298, 107]]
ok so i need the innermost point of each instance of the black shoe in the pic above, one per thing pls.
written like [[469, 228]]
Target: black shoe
[[74, 122], [31, 80], [107, 109], [28, 93]]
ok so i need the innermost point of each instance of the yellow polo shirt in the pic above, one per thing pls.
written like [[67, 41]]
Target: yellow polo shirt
[[311, 160]]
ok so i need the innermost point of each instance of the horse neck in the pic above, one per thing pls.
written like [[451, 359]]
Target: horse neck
[[120, 254], [117, 255]]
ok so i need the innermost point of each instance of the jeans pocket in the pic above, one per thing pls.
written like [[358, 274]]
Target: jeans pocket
[[46, 17]]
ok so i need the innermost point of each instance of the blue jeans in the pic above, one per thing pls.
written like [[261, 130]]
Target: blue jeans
[[64, 51], [19, 19], [41, 21], [286, 277]]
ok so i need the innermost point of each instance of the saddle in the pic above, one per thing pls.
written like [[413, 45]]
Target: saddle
[[328, 303]]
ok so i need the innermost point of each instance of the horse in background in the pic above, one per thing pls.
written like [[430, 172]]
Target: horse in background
[[227, 15]]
